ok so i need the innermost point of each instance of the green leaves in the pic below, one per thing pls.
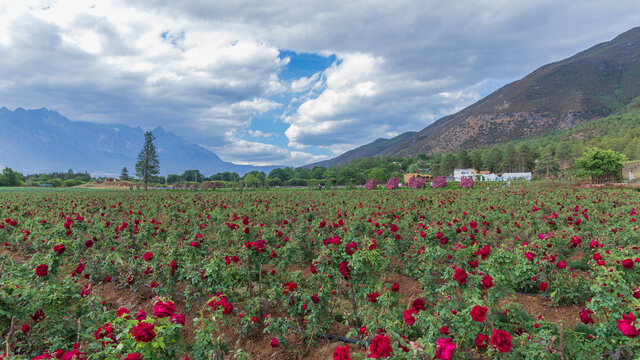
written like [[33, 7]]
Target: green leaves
[[600, 165]]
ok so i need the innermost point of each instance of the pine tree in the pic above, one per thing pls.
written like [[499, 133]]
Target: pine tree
[[148, 163], [124, 175]]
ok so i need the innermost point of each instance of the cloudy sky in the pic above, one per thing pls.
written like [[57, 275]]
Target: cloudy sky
[[284, 82]]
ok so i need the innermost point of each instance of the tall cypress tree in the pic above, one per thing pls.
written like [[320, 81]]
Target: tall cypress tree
[[124, 175], [148, 163]]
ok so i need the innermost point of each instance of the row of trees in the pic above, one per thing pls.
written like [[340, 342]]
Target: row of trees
[[510, 158], [57, 179], [9, 177]]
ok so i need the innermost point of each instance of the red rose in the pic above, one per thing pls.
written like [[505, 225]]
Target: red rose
[[418, 304], [543, 286], [42, 270], [625, 325], [478, 313], [344, 269], [395, 287], [133, 356], [460, 275], [363, 331], [351, 248], [274, 343], [561, 264], [445, 349], [164, 309], [122, 311], [143, 332], [141, 315], [501, 340], [380, 347], [80, 268], [373, 297], [408, 316], [487, 282], [38, 316], [148, 256], [530, 256], [482, 341], [177, 319], [228, 308], [627, 264], [341, 353], [585, 316], [59, 249]]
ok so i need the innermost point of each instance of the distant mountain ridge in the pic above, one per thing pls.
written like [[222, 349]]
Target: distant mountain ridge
[[42, 140], [589, 85], [372, 149]]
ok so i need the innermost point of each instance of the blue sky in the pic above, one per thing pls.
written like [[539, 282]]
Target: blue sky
[[298, 65], [281, 82]]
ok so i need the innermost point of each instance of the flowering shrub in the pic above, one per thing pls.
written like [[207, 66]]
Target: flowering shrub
[[466, 182], [439, 182], [371, 184], [416, 182], [392, 183]]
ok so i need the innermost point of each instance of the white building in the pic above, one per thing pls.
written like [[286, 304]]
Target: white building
[[458, 174], [489, 177], [516, 176]]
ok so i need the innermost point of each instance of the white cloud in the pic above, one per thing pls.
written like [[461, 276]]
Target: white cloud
[[362, 99], [258, 133], [305, 83], [246, 152]]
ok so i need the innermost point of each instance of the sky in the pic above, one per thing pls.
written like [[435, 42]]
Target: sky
[[284, 82]]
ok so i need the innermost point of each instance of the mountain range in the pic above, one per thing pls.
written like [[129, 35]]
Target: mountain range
[[589, 85], [41, 140]]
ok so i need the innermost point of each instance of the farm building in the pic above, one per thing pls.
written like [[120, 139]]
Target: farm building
[[426, 177], [488, 177], [458, 174], [516, 176]]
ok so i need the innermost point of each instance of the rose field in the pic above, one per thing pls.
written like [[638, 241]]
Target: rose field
[[526, 272]]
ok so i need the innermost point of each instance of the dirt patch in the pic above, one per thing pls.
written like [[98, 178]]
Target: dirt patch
[[410, 289], [536, 305]]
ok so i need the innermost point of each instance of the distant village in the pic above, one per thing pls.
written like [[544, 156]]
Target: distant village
[[476, 175]]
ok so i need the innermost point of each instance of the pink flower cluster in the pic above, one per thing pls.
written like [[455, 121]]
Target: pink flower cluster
[[439, 182], [466, 182], [371, 184], [415, 182], [392, 183]]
